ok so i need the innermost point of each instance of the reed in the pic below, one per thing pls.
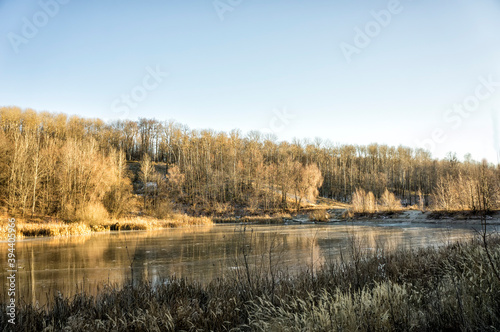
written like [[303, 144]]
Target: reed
[[319, 215], [62, 228]]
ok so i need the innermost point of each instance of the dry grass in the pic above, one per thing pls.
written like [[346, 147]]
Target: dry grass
[[148, 223], [25, 229], [452, 288], [347, 214], [389, 202], [331, 204], [319, 215], [264, 219], [364, 204], [55, 229], [91, 213]]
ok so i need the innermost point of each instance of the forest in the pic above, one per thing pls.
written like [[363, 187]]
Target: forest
[[72, 167]]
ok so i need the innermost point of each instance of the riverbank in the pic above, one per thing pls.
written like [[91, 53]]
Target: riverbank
[[38, 227], [436, 217], [256, 219], [449, 288], [55, 228]]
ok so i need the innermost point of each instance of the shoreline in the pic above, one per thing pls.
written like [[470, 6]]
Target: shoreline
[[34, 229], [417, 216], [37, 229]]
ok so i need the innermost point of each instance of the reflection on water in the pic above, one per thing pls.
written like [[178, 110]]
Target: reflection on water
[[68, 265]]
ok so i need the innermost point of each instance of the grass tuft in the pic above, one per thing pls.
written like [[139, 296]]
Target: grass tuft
[[61, 228], [319, 215]]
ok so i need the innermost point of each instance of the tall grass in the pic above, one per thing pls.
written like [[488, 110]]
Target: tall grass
[[365, 204], [61, 228], [25, 229], [453, 288], [319, 215]]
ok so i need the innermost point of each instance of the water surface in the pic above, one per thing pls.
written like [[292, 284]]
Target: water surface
[[67, 265]]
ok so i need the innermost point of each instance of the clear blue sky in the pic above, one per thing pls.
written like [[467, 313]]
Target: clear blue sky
[[264, 57]]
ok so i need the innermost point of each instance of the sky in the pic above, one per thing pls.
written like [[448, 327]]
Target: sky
[[418, 73]]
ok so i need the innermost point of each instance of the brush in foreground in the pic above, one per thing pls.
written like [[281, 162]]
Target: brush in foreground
[[451, 288]]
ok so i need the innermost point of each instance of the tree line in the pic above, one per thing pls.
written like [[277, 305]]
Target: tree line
[[68, 165]]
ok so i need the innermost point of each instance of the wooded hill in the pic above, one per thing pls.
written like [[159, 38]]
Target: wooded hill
[[54, 164]]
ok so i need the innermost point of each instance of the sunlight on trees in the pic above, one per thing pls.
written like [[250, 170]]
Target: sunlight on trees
[[52, 164]]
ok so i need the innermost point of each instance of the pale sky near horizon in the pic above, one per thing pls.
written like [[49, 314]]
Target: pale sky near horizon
[[273, 66]]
